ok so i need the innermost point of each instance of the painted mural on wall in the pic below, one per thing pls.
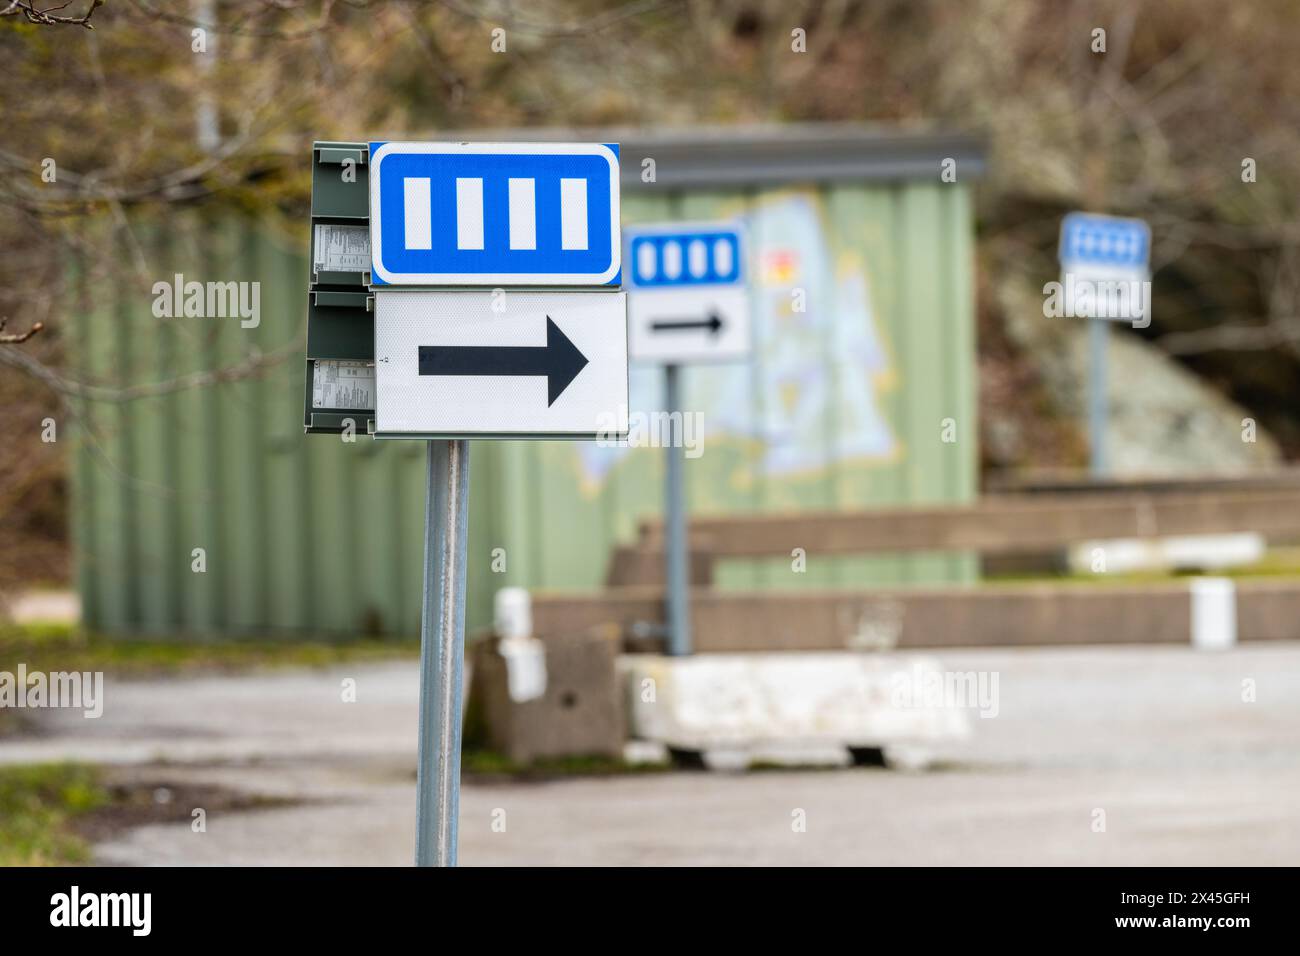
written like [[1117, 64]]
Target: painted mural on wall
[[811, 396]]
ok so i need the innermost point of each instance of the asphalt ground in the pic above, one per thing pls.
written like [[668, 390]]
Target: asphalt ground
[[1133, 755]]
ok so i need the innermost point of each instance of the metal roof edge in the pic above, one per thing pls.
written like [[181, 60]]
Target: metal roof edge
[[763, 155]]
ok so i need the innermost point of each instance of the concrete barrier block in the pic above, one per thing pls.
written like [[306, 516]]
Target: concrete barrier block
[[788, 703], [554, 699]]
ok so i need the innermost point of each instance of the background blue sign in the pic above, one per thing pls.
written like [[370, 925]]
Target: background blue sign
[[664, 259], [1105, 240]]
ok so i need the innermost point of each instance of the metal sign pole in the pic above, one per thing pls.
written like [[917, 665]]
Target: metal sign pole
[[442, 631], [678, 576], [442, 358], [1098, 412]]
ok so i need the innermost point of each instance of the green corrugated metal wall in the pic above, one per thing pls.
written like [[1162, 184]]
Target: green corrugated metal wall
[[311, 534]]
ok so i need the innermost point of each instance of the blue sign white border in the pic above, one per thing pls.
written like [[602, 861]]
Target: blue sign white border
[[377, 154], [1080, 264], [739, 225]]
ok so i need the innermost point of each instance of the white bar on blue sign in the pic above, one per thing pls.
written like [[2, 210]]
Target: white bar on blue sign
[[647, 261], [697, 256], [523, 213], [469, 213], [573, 214], [672, 259], [722, 259], [419, 228]]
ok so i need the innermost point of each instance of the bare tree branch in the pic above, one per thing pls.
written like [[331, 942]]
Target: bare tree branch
[[1231, 337], [17, 338], [593, 24], [47, 17], [255, 364]]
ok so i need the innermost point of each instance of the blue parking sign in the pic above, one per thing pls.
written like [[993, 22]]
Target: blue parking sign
[[673, 258], [494, 214], [1088, 239]]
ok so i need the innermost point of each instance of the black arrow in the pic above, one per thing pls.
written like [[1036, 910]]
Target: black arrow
[[559, 360], [713, 323]]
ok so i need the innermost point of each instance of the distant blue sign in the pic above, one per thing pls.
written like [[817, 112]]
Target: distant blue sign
[[665, 258], [1106, 241], [494, 214]]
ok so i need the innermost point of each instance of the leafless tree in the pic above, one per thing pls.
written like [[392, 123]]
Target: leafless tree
[[52, 15]]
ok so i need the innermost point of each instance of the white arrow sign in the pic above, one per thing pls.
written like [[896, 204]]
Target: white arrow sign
[[499, 365]]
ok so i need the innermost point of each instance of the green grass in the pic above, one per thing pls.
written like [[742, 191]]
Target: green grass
[[488, 763], [1276, 563], [38, 805], [51, 647]]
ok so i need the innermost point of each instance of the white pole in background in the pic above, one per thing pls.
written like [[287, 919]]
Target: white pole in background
[[206, 121]]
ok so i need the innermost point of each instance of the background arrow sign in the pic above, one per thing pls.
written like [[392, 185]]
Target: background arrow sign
[[559, 360], [713, 323]]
